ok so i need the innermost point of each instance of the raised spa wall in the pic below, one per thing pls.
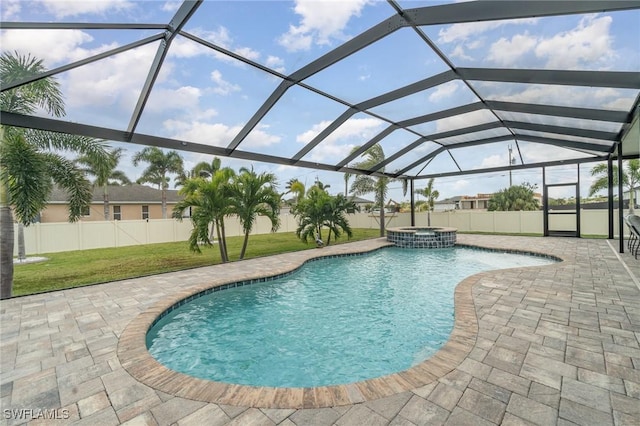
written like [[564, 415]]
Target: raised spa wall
[[422, 237]]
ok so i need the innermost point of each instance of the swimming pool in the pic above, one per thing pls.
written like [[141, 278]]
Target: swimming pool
[[333, 321]]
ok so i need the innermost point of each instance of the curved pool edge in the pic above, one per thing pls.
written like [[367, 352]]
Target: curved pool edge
[[138, 362]]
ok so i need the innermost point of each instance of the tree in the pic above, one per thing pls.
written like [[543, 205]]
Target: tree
[[210, 203], [104, 174], [336, 218], [379, 185], [160, 165], [318, 210], [254, 195], [295, 187], [30, 162], [630, 178], [207, 170], [514, 198], [311, 212], [202, 169], [431, 195]]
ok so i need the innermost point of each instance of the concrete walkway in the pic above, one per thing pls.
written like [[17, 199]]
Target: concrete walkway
[[555, 345]]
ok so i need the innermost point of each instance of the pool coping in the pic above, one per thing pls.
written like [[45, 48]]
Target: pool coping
[[138, 362]]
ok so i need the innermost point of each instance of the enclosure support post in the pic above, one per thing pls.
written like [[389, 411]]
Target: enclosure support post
[[610, 194], [413, 205], [620, 200], [545, 204]]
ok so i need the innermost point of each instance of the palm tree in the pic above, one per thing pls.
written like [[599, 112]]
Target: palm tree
[[431, 195], [364, 184], [160, 165], [311, 212], [28, 167], [336, 218], [104, 174], [630, 178], [202, 169], [210, 202], [295, 187], [207, 170], [254, 195]]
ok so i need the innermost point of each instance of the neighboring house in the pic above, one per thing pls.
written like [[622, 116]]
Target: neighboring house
[[129, 202], [470, 202], [361, 203], [447, 204], [636, 195]]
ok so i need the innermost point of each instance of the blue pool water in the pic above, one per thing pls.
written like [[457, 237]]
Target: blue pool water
[[334, 321]]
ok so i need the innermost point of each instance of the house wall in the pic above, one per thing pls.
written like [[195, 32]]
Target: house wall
[[63, 236], [60, 213]]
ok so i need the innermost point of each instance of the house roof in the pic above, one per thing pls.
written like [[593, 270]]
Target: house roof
[[449, 200], [507, 101], [359, 200], [126, 194]]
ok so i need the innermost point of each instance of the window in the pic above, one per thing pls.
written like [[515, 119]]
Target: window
[[145, 212], [86, 211], [117, 215]]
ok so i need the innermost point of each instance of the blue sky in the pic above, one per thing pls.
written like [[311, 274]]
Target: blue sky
[[206, 97]]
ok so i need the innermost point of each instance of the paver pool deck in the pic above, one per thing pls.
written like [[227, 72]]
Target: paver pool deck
[[557, 344]]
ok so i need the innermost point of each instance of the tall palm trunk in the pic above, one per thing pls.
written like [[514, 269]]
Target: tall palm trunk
[[22, 255], [244, 244], [221, 247], [164, 202], [105, 201], [6, 246], [222, 239]]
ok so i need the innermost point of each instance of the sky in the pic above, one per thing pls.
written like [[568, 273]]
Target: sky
[[206, 97]]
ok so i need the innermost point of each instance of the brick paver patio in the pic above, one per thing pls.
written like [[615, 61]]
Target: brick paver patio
[[549, 345]]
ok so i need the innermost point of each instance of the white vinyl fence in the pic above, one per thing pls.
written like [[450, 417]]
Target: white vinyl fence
[[57, 237]]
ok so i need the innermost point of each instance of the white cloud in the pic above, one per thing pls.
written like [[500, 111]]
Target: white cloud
[[464, 120], [222, 87], [116, 80], [458, 52], [295, 40], [588, 45], [10, 9], [494, 161], [183, 47], [54, 47], [353, 132], [217, 134], [321, 22], [620, 104], [276, 63], [64, 9], [586, 97], [460, 185], [444, 91], [506, 52], [171, 5], [184, 98], [470, 30]]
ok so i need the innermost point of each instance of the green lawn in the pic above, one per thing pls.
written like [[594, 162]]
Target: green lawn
[[77, 268]]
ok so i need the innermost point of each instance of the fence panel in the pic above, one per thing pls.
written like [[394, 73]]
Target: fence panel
[[56, 237]]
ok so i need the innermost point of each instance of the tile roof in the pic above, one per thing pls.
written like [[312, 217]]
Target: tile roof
[[134, 193]]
